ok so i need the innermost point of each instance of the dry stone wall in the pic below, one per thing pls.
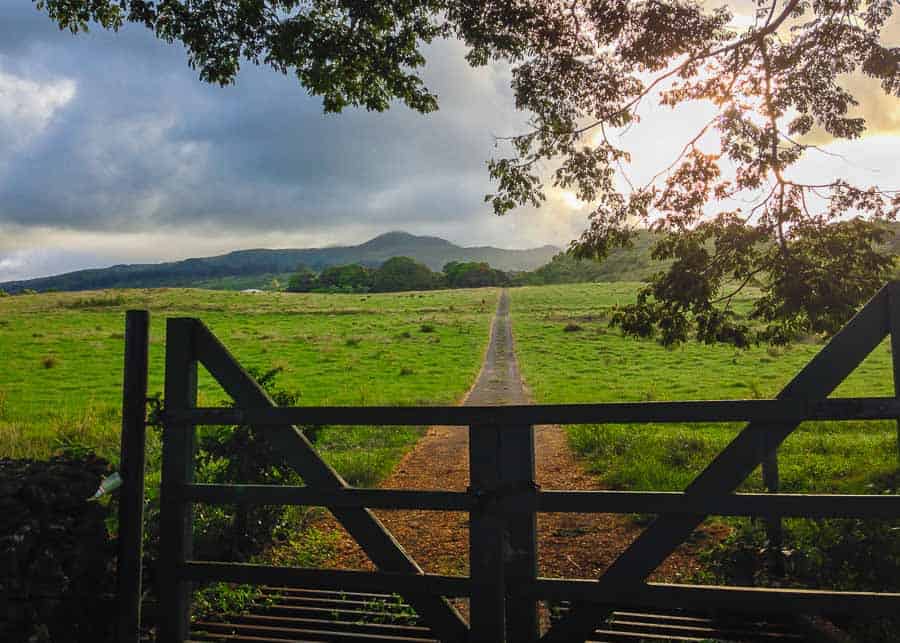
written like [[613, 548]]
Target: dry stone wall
[[56, 557]]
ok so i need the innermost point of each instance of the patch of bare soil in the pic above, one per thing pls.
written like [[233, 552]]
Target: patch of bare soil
[[573, 545]]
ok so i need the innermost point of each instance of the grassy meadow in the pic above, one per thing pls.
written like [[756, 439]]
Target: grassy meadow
[[568, 354], [60, 384], [60, 380], [590, 362]]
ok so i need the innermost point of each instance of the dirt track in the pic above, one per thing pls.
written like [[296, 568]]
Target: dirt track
[[575, 545]]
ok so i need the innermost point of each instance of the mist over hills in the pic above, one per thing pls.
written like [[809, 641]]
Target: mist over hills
[[253, 268]]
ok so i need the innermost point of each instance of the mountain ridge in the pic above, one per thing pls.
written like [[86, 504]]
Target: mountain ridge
[[239, 268]]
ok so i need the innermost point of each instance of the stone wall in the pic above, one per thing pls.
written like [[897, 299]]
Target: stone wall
[[56, 557]]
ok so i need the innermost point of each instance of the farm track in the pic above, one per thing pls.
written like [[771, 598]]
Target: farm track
[[574, 545], [569, 545]]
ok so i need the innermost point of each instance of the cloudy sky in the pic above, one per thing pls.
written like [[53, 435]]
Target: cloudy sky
[[111, 151]]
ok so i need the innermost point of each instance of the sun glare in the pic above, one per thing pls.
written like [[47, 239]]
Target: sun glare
[[571, 201]]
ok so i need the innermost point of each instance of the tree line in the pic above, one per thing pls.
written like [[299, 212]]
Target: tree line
[[406, 274], [395, 275]]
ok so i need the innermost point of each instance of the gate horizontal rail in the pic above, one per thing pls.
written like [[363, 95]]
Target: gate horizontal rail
[[614, 502], [747, 599], [311, 578], [511, 417], [665, 595]]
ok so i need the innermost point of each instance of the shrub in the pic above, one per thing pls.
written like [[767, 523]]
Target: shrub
[[242, 454], [849, 554]]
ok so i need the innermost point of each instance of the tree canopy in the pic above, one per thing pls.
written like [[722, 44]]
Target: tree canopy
[[473, 274], [302, 280], [347, 278], [729, 209], [402, 273]]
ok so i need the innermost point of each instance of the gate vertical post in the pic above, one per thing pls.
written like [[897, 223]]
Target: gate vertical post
[[176, 515], [772, 483], [517, 473], [894, 328], [487, 605], [131, 467]]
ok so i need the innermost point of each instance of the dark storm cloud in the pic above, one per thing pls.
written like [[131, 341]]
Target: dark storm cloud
[[145, 145]]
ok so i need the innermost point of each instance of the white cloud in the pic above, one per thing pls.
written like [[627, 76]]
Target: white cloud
[[27, 107]]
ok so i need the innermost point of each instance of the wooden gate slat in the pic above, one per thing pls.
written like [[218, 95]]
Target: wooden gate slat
[[487, 538], [818, 379], [176, 515], [132, 465], [894, 322], [517, 470], [362, 524]]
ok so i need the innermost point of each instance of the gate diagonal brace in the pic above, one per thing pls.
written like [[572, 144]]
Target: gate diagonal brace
[[816, 381], [374, 539]]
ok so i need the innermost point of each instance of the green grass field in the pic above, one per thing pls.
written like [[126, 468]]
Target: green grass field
[[62, 360], [568, 353], [595, 363]]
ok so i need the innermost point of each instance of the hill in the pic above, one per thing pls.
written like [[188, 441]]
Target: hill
[[637, 264], [256, 268], [622, 264]]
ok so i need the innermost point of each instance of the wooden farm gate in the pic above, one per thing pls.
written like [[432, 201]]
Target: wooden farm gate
[[502, 500]]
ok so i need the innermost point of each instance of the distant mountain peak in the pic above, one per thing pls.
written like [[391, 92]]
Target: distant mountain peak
[[398, 237], [393, 235], [248, 268]]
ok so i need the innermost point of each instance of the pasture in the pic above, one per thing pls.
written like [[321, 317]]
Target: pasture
[[61, 376], [568, 354], [60, 384], [62, 366]]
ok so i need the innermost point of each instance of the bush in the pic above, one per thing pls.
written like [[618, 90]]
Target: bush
[[228, 455], [844, 555], [242, 454]]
